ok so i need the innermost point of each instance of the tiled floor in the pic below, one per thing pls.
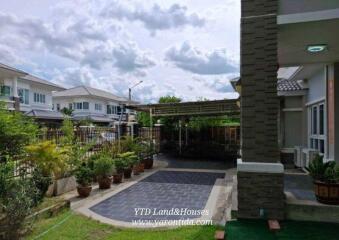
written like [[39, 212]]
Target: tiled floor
[[163, 190], [300, 186]]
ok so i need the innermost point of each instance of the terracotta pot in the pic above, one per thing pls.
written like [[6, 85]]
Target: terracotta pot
[[141, 167], [327, 193], [136, 170], [117, 178], [148, 162], [84, 191], [127, 173], [104, 182]]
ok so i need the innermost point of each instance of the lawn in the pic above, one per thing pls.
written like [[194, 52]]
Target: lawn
[[290, 230], [68, 225]]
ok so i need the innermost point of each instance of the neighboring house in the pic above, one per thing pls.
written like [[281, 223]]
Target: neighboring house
[[92, 104], [27, 93]]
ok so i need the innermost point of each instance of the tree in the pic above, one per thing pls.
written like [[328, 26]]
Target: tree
[[67, 111], [16, 130]]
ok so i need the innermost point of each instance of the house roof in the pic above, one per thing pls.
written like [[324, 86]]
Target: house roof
[[288, 85], [41, 81], [92, 117], [29, 77], [283, 85], [11, 68], [44, 114], [88, 91]]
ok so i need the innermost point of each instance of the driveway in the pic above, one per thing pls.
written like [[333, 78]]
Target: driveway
[[159, 193]]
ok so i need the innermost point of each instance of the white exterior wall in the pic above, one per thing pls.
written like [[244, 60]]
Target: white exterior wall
[[316, 87], [32, 88], [64, 102]]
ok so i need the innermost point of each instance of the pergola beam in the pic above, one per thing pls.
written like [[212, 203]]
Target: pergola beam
[[219, 107]]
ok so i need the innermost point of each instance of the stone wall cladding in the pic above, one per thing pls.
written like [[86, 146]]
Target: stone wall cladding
[[260, 191], [259, 110]]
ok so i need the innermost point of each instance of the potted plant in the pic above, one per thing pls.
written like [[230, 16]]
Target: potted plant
[[148, 156], [326, 180], [84, 176], [128, 159], [103, 169], [118, 170]]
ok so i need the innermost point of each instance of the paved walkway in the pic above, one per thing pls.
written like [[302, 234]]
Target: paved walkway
[[300, 185], [159, 193], [162, 190], [186, 163]]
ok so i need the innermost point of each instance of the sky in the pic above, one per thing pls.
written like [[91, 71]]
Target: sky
[[186, 48]]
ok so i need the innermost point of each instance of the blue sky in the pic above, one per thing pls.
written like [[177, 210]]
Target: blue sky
[[186, 48]]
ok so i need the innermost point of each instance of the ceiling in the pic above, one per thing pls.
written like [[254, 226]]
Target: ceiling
[[294, 38]]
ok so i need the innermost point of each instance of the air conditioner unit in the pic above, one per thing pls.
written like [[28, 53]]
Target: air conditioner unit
[[308, 156], [298, 157]]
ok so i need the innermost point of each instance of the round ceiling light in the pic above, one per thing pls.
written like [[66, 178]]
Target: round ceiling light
[[316, 48]]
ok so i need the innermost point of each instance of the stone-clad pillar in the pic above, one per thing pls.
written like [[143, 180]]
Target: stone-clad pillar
[[260, 175]]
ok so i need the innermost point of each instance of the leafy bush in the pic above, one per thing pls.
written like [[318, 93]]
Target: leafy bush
[[119, 164], [16, 130], [42, 183], [17, 198], [128, 159], [325, 172], [103, 166], [84, 176], [47, 157]]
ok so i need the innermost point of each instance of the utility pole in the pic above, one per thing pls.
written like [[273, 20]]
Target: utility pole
[[130, 90]]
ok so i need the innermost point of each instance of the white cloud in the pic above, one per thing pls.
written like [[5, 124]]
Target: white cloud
[[155, 18], [196, 61]]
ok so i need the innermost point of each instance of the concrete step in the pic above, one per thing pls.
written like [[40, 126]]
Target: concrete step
[[305, 210]]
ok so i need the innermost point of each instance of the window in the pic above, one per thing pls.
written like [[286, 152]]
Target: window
[[98, 107], [23, 95], [39, 98], [70, 106], [112, 109], [85, 105], [58, 107], [81, 105], [5, 91], [317, 139]]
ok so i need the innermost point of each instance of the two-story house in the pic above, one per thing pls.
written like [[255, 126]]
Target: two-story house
[[91, 104], [27, 93]]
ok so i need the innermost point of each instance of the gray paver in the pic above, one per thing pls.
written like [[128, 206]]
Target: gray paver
[[162, 190]]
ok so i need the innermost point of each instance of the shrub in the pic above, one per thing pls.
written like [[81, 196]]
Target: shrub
[[325, 172], [17, 198], [84, 176], [103, 166], [47, 157], [128, 159], [16, 130]]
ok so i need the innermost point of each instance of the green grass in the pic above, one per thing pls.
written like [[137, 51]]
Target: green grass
[[78, 227], [290, 230]]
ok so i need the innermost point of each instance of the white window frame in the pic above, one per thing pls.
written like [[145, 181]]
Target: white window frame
[[39, 98], [98, 107], [25, 96], [316, 136]]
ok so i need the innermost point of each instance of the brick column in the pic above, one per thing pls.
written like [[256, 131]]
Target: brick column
[[260, 175]]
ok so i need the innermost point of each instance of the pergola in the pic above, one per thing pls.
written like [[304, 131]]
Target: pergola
[[228, 107]]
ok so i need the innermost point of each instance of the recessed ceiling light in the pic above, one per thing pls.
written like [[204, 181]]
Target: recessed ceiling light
[[316, 48]]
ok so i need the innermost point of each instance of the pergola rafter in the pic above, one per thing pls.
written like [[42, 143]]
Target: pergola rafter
[[229, 107]]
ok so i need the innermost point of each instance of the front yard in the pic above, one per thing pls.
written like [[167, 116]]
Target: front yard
[[69, 225]]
